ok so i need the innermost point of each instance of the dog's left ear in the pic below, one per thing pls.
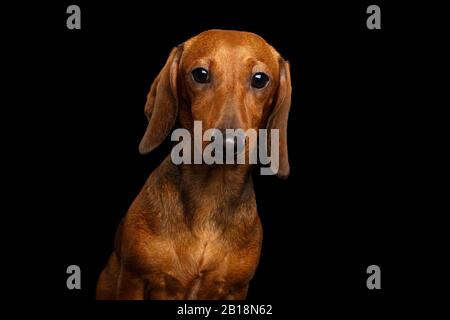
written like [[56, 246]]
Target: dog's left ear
[[279, 116], [161, 108]]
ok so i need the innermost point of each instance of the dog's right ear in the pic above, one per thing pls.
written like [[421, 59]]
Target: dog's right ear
[[161, 108]]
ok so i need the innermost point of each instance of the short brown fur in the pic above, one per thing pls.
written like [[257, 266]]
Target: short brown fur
[[193, 232]]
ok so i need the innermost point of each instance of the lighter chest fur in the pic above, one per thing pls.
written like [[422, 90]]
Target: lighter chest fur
[[196, 264]]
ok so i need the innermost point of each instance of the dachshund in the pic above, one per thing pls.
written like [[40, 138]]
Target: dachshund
[[193, 231]]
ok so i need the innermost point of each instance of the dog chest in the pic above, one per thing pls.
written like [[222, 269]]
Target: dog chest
[[201, 269]]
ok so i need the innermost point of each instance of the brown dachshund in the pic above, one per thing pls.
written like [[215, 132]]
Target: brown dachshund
[[193, 232]]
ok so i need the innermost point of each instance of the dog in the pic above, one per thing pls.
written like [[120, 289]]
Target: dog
[[193, 232]]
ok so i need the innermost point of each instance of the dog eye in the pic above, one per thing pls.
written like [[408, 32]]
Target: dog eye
[[259, 80], [200, 75]]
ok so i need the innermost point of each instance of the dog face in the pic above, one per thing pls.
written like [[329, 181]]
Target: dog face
[[227, 80]]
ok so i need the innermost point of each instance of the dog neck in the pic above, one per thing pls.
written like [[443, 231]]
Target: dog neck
[[217, 194]]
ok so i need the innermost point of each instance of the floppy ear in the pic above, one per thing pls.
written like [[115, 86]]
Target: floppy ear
[[162, 104], [279, 116]]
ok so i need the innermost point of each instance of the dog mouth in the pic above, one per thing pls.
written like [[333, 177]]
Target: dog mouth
[[217, 145], [232, 145]]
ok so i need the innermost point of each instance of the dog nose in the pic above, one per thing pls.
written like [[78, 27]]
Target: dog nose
[[230, 141], [231, 128], [234, 140]]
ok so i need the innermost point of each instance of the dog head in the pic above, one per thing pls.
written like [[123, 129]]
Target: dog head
[[227, 80]]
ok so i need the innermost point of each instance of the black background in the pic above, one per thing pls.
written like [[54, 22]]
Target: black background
[[346, 205]]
